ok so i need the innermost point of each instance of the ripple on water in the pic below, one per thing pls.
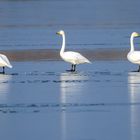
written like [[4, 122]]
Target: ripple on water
[[68, 107], [37, 77]]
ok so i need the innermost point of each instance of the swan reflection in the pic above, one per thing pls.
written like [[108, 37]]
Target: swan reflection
[[72, 86], [134, 86], [134, 90], [4, 85]]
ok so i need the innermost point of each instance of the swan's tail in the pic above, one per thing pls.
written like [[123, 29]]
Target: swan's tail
[[9, 65], [87, 61], [5, 61]]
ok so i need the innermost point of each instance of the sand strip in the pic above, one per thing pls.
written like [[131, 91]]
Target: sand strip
[[53, 54]]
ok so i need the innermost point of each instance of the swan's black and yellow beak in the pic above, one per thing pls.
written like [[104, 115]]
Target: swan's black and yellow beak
[[58, 33], [137, 35]]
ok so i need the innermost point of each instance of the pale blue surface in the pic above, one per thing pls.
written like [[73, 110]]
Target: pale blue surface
[[99, 101], [88, 24]]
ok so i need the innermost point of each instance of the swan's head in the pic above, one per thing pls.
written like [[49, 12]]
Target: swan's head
[[61, 32], [135, 34]]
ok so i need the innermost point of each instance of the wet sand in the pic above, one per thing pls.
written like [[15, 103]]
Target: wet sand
[[53, 54]]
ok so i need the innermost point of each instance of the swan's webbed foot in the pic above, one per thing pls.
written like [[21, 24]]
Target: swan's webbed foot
[[135, 71], [70, 70]]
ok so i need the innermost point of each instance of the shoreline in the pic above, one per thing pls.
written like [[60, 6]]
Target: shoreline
[[53, 54]]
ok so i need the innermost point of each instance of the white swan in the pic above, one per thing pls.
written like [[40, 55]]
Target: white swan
[[72, 57], [134, 56], [4, 62]]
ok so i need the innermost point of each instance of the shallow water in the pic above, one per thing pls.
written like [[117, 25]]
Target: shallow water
[[40, 100], [98, 101], [88, 24]]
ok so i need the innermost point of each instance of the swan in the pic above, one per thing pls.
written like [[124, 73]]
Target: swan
[[4, 62], [74, 58], [134, 56]]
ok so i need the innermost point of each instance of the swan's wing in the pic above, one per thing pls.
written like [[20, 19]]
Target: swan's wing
[[5, 61], [76, 57]]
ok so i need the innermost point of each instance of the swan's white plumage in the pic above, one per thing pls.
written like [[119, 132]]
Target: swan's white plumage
[[70, 56], [74, 58], [4, 61], [134, 56]]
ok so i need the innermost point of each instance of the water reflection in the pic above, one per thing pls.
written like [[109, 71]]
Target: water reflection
[[134, 89], [71, 89], [71, 86], [4, 86], [134, 86]]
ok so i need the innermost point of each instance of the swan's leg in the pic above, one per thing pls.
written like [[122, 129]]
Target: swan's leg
[[71, 68], [139, 69], [74, 67], [3, 70]]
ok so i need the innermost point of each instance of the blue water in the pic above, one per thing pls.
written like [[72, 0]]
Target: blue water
[[88, 24], [99, 101]]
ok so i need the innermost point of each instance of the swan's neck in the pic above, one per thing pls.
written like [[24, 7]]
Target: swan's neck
[[132, 43], [63, 44]]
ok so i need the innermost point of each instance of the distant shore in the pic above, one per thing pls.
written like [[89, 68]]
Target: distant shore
[[53, 54]]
